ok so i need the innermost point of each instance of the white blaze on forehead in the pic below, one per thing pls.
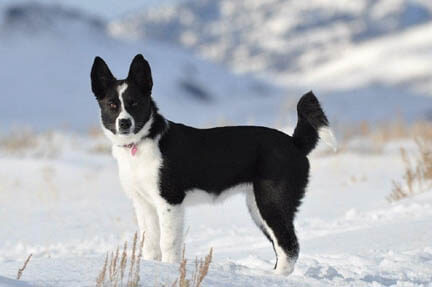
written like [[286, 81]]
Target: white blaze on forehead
[[121, 89], [123, 113]]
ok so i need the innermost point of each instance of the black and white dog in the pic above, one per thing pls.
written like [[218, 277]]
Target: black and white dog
[[162, 164]]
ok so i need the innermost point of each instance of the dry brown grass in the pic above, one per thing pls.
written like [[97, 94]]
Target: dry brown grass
[[15, 141], [21, 270], [27, 141], [381, 134], [101, 148], [386, 132], [399, 130], [417, 176], [101, 144], [95, 132], [199, 273], [123, 269], [114, 270]]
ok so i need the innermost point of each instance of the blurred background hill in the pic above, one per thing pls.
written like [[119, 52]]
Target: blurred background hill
[[220, 61]]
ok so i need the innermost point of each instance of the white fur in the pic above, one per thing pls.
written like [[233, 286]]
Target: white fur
[[285, 264], [161, 222], [198, 196], [327, 136], [148, 222], [123, 115]]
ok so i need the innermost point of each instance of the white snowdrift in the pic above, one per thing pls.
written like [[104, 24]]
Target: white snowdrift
[[68, 210]]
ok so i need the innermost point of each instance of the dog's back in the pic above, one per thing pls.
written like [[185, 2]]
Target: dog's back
[[218, 158]]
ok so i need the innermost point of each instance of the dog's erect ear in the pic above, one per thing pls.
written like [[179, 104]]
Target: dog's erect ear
[[140, 74], [101, 77]]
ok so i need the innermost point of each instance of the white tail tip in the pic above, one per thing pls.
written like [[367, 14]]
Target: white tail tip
[[327, 136]]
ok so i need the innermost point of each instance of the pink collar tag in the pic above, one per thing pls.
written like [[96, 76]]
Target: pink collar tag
[[133, 148]]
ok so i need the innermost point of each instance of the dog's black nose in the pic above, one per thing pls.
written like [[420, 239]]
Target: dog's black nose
[[125, 124]]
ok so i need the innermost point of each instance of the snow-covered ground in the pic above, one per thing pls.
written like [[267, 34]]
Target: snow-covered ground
[[61, 201]]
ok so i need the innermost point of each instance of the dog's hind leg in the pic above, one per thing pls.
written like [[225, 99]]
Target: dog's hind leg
[[272, 213], [256, 216]]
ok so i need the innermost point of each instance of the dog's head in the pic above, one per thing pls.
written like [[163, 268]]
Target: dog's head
[[126, 105]]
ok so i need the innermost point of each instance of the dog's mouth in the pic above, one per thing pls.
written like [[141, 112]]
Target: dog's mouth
[[124, 132]]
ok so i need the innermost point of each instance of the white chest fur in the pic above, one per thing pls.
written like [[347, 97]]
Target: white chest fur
[[139, 173]]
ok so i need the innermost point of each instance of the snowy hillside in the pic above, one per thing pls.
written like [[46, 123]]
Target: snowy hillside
[[54, 46], [34, 18], [275, 35], [62, 202], [354, 52], [46, 53]]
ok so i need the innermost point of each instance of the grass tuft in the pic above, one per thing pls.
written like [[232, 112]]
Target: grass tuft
[[379, 135], [417, 176], [199, 273], [115, 266], [21, 270]]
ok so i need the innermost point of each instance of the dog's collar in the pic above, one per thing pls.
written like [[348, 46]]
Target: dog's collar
[[133, 148], [134, 145]]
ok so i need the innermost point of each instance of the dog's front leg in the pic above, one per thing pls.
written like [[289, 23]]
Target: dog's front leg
[[171, 219], [148, 223]]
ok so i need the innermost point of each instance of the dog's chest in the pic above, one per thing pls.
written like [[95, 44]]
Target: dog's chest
[[139, 173]]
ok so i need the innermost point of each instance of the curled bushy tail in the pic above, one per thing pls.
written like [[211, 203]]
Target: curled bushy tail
[[312, 125]]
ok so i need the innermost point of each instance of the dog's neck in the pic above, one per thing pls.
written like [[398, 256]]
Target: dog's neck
[[157, 125]]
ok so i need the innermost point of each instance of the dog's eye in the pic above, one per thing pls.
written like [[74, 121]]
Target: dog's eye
[[113, 106], [134, 104]]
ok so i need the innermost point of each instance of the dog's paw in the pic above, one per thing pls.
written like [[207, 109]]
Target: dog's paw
[[285, 267], [171, 257], [151, 254]]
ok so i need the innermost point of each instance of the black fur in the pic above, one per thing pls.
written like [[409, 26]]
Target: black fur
[[101, 78], [215, 159], [310, 119]]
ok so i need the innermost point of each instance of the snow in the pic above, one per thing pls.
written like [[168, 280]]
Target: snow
[[390, 60], [281, 33], [68, 210], [349, 52], [12, 283], [109, 9]]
